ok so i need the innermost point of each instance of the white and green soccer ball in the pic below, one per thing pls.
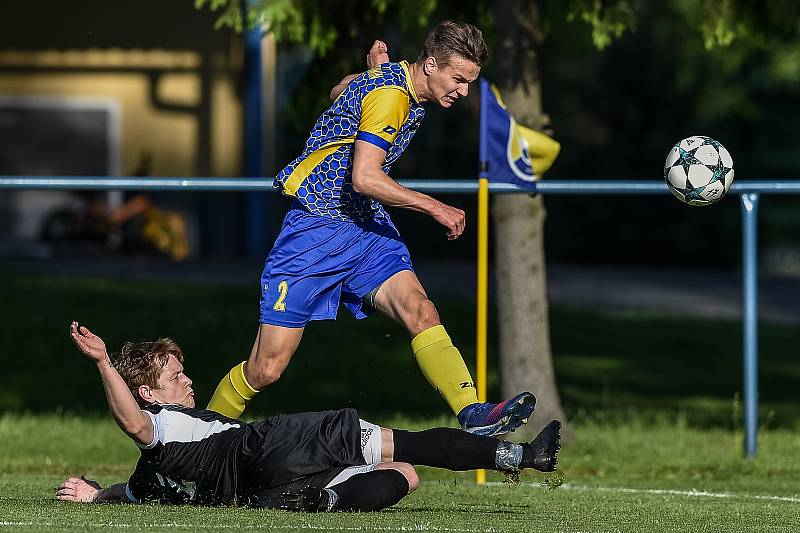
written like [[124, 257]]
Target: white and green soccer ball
[[699, 170]]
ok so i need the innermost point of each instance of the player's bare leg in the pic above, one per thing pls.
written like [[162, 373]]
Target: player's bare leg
[[269, 357], [403, 299], [272, 350]]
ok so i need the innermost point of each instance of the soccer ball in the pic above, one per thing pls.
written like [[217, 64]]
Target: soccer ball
[[698, 170]]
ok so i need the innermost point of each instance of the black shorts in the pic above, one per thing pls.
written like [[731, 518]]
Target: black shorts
[[287, 452]]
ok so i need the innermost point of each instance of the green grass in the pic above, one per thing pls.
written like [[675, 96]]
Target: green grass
[[652, 403], [630, 476]]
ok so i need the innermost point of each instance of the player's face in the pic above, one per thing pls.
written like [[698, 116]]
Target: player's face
[[173, 385], [448, 83]]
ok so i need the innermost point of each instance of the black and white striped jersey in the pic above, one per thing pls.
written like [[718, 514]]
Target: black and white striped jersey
[[201, 457]]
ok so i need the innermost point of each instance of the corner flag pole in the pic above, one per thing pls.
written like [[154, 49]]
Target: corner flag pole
[[483, 267]]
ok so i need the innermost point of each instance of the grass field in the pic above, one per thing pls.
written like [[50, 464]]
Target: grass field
[[652, 403], [658, 476]]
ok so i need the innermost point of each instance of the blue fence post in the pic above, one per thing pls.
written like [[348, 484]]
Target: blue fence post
[[749, 203]]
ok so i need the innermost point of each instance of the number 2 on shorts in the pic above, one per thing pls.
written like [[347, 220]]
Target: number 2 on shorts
[[280, 304]]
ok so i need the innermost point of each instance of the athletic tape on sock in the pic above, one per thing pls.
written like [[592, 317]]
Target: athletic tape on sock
[[508, 456]]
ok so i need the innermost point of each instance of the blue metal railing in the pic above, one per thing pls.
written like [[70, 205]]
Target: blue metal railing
[[434, 186], [748, 190]]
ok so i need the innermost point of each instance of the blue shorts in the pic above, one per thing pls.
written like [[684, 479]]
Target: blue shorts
[[317, 262]]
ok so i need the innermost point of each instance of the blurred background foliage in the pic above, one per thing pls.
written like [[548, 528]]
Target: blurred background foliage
[[622, 82]]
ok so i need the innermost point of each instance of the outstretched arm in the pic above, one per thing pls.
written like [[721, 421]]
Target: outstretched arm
[[130, 418], [85, 490], [377, 55], [370, 180]]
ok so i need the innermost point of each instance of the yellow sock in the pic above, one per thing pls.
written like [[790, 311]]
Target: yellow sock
[[444, 368], [232, 393]]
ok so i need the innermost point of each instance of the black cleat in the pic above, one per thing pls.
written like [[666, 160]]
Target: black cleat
[[309, 499], [542, 452]]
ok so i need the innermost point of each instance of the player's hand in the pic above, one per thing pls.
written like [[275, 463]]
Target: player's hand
[[80, 489], [451, 218], [87, 342], [378, 54]]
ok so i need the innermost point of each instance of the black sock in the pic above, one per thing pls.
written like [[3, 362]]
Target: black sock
[[371, 491], [453, 449]]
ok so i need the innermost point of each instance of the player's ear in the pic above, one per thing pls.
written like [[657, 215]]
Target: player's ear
[[146, 393], [429, 66]]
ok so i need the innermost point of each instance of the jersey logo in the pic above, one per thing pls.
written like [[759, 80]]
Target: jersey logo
[[390, 130], [366, 433]]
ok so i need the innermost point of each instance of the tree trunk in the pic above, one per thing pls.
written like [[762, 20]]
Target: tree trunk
[[526, 361]]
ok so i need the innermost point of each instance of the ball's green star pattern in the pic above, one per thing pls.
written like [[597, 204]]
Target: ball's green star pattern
[[328, 190], [719, 170], [686, 159]]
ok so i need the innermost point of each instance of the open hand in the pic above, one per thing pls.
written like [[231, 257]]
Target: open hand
[[80, 489], [87, 342]]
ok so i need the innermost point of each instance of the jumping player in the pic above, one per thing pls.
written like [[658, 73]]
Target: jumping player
[[338, 244], [307, 462]]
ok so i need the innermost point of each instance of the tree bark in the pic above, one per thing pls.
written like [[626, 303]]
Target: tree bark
[[526, 361]]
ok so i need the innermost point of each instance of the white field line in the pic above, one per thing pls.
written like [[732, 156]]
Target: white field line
[[669, 492], [416, 527], [305, 527]]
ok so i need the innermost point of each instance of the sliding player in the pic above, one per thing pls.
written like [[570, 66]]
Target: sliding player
[[306, 462]]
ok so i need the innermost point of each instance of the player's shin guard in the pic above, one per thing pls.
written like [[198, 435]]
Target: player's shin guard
[[444, 368], [232, 393], [454, 449], [370, 491]]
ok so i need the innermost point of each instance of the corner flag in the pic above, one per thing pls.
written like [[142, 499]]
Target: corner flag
[[514, 154], [510, 152]]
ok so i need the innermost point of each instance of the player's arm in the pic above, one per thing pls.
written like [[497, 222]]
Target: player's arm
[[377, 55], [341, 86], [130, 418], [370, 180], [383, 112], [86, 490]]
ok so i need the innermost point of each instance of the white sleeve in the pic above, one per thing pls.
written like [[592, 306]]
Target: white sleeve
[[158, 429]]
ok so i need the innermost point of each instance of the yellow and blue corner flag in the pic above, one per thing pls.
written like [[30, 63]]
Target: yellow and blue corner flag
[[510, 152]]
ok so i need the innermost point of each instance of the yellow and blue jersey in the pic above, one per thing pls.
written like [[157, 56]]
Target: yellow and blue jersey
[[379, 107]]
